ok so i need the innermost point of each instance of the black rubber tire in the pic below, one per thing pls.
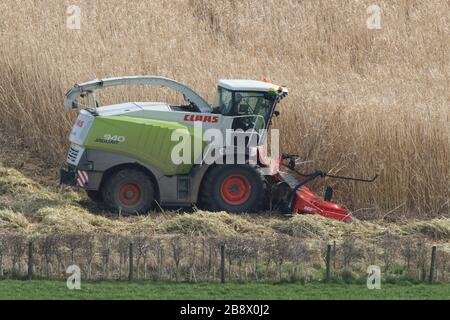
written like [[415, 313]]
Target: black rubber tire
[[211, 197], [95, 196], [114, 184]]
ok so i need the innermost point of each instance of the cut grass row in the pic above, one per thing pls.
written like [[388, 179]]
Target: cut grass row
[[30, 208]]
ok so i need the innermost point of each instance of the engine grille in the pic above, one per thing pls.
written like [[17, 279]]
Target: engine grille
[[74, 155]]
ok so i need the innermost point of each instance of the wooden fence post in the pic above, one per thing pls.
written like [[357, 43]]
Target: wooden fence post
[[130, 271], [433, 264], [334, 255], [30, 260], [222, 263], [328, 265]]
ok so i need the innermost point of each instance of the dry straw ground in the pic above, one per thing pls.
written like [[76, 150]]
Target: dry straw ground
[[64, 230], [359, 98], [28, 208]]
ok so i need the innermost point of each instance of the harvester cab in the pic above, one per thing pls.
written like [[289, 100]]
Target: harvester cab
[[251, 103], [137, 155]]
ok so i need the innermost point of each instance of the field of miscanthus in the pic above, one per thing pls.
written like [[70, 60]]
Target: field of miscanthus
[[360, 99]]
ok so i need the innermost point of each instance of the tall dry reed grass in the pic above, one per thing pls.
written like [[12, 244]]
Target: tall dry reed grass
[[359, 98]]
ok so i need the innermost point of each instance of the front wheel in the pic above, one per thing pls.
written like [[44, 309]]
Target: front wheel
[[233, 188], [129, 191]]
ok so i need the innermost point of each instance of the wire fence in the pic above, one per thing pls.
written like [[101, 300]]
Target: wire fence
[[219, 259]]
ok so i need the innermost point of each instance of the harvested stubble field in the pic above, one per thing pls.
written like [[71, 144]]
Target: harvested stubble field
[[360, 99], [30, 208], [65, 228]]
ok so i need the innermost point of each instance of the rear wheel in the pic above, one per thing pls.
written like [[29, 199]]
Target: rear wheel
[[233, 188], [129, 191]]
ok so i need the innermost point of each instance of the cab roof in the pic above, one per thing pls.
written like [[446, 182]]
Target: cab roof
[[247, 85]]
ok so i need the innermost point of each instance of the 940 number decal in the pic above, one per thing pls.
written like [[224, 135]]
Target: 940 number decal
[[111, 139]]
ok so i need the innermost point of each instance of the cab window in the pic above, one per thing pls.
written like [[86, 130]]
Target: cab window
[[251, 103], [251, 109], [223, 102]]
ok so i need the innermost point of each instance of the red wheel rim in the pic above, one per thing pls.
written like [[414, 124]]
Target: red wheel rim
[[129, 194], [235, 190]]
